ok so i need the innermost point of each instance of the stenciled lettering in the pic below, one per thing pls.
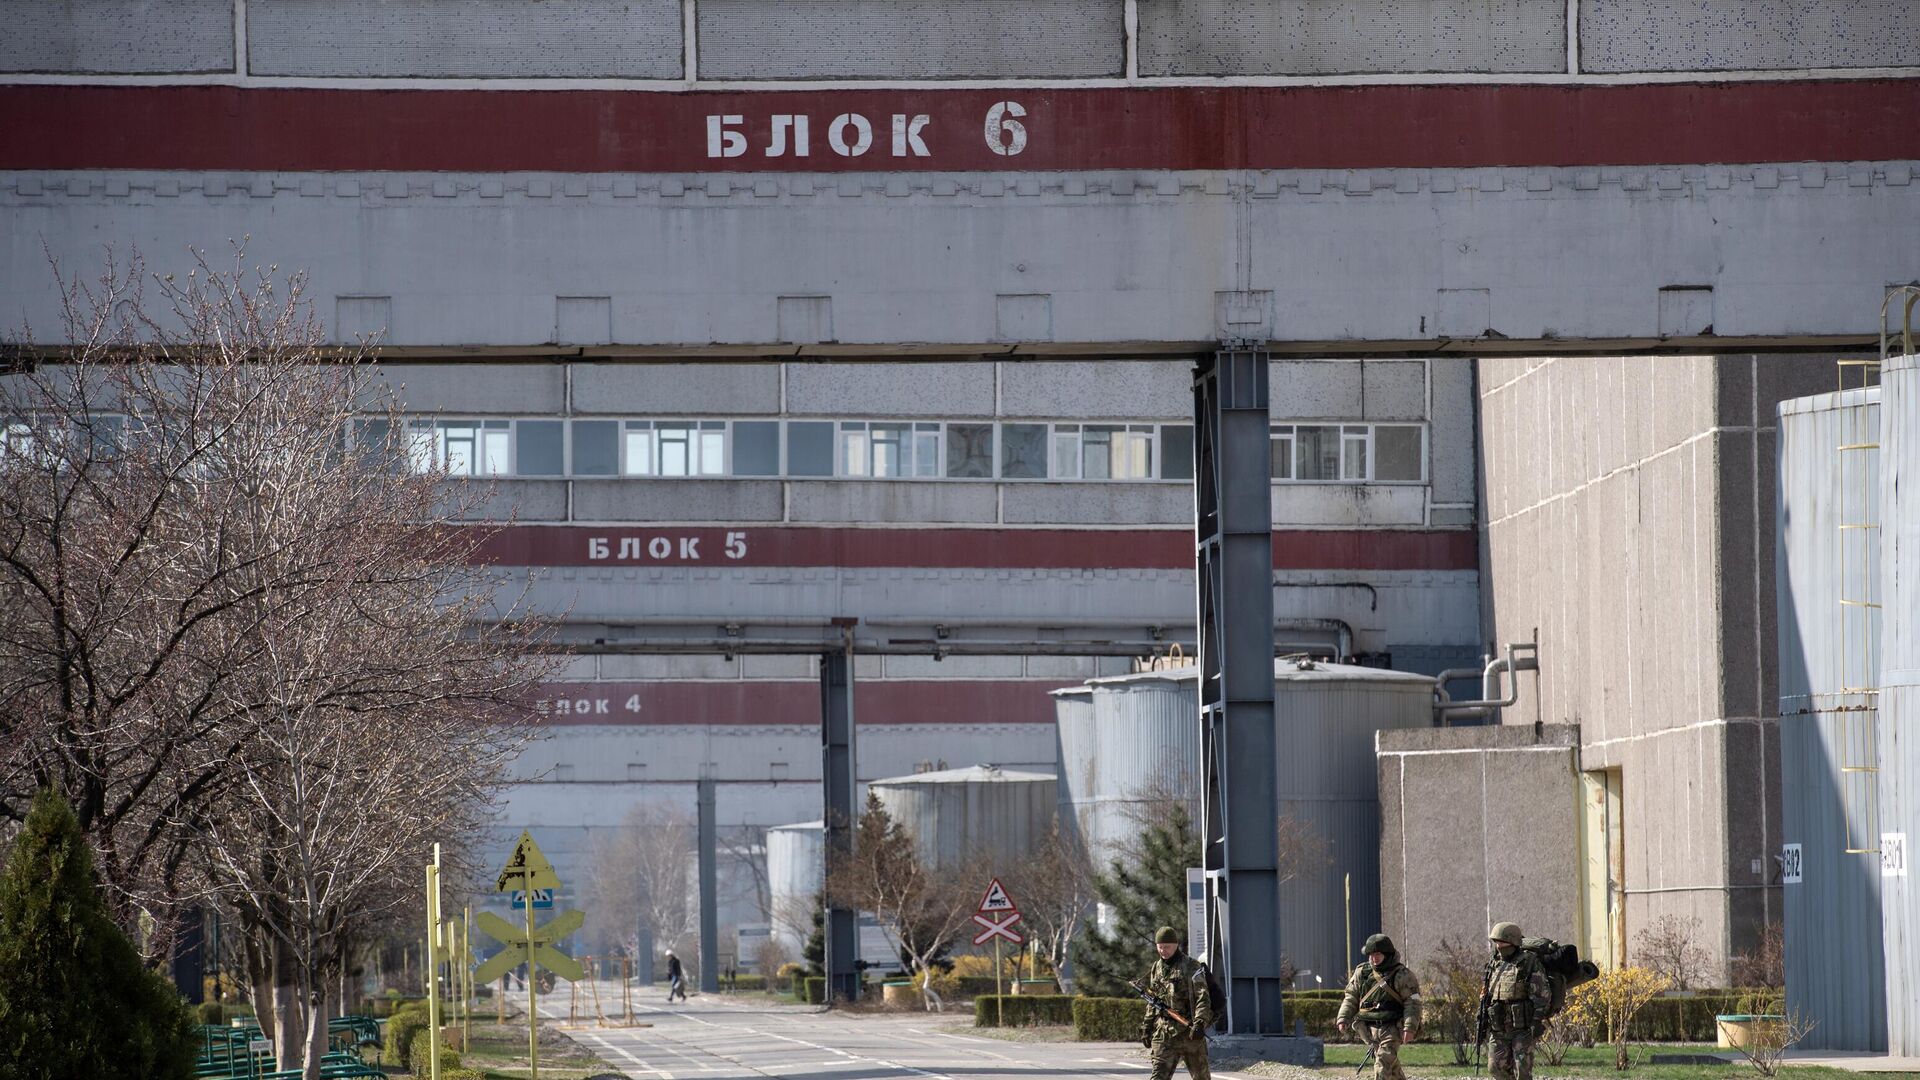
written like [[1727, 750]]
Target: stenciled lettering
[[722, 142], [783, 123], [906, 135], [836, 135], [1006, 136], [629, 547], [690, 547], [597, 547], [736, 545]]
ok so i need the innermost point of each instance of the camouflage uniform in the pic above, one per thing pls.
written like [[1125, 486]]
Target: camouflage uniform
[[1516, 997], [1385, 1004], [1181, 982]]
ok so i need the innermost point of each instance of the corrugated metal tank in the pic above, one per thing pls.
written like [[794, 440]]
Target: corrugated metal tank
[[1146, 746], [1828, 713], [796, 870], [1072, 732], [1900, 698], [983, 811]]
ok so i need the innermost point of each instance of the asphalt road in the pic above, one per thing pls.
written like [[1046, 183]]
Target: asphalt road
[[715, 1038]]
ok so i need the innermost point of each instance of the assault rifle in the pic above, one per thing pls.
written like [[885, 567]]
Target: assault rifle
[[1373, 1048], [1159, 1005], [1480, 1022]]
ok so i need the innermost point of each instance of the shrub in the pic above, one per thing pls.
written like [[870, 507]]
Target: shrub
[[816, 993], [75, 1000], [462, 1073], [1022, 1010], [747, 983], [407, 1020], [1317, 1012], [420, 1049], [212, 1012], [1106, 1019]]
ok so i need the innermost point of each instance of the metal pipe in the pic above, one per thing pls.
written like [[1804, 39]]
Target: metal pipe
[[1491, 698]]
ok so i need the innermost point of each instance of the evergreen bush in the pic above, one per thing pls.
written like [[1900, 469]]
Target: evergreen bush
[[406, 1021], [1022, 1010], [75, 1000], [421, 1048], [1107, 1019], [1143, 895]]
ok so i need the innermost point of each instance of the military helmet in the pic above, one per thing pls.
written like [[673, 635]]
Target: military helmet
[[1379, 943], [1507, 932], [1166, 935]]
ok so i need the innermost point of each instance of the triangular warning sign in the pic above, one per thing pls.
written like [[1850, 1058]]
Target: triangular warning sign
[[996, 899], [527, 868]]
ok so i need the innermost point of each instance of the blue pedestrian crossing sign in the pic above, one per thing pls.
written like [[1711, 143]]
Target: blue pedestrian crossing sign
[[542, 899]]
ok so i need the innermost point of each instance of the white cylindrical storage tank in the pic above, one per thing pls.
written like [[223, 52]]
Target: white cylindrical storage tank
[[1072, 741], [1145, 750], [956, 815], [1830, 891], [1899, 735], [796, 872]]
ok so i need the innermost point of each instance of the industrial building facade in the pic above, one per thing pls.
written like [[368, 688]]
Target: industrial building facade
[[777, 320]]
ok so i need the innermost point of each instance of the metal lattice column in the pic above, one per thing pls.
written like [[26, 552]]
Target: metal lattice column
[[1233, 560], [709, 891], [836, 771]]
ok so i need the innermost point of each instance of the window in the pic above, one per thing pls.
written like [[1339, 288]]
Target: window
[[809, 448], [539, 448], [1349, 453], [1023, 451], [461, 447], [883, 450], [674, 448], [969, 450], [1176, 452], [596, 447], [756, 448]]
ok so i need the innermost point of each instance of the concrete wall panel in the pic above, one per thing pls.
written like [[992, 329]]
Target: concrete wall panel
[[1155, 390], [881, 500], [634, 39], [909, 39], [1315, 390], [120, 37], [630, 499], [1097, 504], [1450, 437], [676, 389], [933, 390], [477, 389], [1393, 390], [1120, 268], [1735, 35], [1249, 37], [1348, 504]]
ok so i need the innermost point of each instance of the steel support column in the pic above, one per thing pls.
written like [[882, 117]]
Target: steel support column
[[1233, 560], [709, 892], [837, 773]]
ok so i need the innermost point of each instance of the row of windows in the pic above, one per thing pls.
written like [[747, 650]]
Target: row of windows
[[868, 449], [877, 449]]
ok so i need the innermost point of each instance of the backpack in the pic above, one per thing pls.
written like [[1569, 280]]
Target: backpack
[[1564, 970], [1217, 997]]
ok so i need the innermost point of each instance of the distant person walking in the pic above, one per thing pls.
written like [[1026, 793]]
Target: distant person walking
[[1514, 998], [1383, 1002], [1179, 983], [676, 978]]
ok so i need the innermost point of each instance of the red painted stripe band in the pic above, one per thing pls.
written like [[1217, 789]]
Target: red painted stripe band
[[1430, 126], [649, 704], [1009, 549]]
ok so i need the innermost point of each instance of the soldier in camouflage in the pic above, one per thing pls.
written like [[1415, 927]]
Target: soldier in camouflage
[[1383, 1003], [1515, 996], [1181, 982]]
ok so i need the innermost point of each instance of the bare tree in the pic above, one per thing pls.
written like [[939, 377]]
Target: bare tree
[[242, 635], [1667, 948], [746, 847], [1055, 887], [921, 909], [643, 876]]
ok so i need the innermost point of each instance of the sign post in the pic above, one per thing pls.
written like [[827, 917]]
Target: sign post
[[528, 872], [996, 916], [434, 950]]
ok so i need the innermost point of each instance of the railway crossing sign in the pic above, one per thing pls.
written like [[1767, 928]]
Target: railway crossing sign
[[516, 940], [996, 917], [527, 868], [542, 899]]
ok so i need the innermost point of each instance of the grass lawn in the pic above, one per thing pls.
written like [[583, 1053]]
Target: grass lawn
[[501, 1052], [1435, 1059]]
